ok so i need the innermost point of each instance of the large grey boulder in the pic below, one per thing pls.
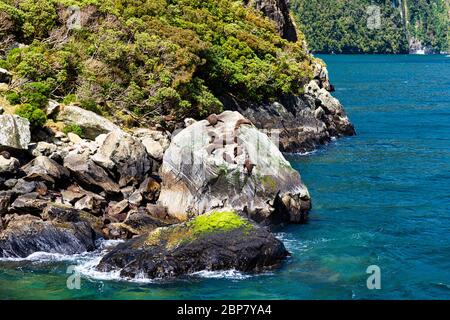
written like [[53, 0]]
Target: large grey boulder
[[45, 169], [91, 123], [124, 156], [14, 132], [230, 165]]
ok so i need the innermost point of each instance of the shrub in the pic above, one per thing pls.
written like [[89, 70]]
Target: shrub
[[35, 93], [13, 98], [74, 128], [35, 115]]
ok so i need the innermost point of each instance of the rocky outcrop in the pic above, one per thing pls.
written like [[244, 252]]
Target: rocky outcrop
[[299, 123], [5, 76], [25, 234], [230, 164], [91, 123], [215, 241], [278, 11], [14, 132]]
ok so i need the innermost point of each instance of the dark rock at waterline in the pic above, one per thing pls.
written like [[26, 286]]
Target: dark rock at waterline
[[216, 241], [25, 234]]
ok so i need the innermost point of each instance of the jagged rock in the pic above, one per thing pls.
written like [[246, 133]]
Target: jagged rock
[[29, 203], [10, 183], [9, 166], [14, 133], [91, 123], [88, 174], [74, 138], [232, 165], [91, 203], [1, 110], [5, 201], [124, 156], [217, 241], [24, 187], [155, 141], [43, 148], [25, 234], [135, 199], [52, 108], [116, 208], [5, 76], [45, 169]]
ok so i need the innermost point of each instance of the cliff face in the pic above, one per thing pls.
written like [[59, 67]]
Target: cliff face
[[278, 11], [299, 122]]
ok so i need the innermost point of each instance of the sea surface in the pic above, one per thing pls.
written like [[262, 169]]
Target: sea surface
[[380, 198]]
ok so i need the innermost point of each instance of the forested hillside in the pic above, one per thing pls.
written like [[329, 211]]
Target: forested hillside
[[342, 26], [145, 59]]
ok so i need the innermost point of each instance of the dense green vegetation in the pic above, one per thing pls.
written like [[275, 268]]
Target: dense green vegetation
[[341, 26], [143, 59]]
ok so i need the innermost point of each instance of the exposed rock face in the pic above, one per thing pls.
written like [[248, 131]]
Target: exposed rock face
[[125, 156], [301, 123], [91, 123], [14, 132], [216, 241], [155, 142], [234, 165], [45, 169], [27, 234], [278, 11]]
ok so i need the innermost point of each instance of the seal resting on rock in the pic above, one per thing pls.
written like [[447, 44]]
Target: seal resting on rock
[[241, 122], [5, 154]]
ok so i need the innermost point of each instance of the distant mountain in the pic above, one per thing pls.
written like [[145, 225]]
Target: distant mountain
[[377, 26]]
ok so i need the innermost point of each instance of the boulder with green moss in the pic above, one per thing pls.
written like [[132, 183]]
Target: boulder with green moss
[[214, 241], [230, 164]]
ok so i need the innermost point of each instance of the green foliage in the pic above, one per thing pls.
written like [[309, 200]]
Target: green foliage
[[154, 57], [341, 26], [35, 115], [217, 221], [74, 128], [35, 93], [13, 98]]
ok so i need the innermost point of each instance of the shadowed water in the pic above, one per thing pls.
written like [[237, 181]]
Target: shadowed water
[[382, 197]]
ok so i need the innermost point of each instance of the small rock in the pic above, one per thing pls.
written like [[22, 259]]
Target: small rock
[[24, 187], [5, 76], [154, 148], [10, 183], [29, 203], [10, 165], [91, 203], [15, 132], [44, 149], [74, 138], [89, 175], [135, 199], [117, 208], [52, 108]]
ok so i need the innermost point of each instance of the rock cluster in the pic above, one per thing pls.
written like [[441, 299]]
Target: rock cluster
[[109, 184], [184, 203], [301, 123]]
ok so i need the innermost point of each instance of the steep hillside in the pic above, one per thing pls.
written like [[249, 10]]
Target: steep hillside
[[144, 59], [405, 26]]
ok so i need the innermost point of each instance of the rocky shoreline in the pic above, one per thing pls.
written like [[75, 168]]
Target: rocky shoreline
[[201, 197], [204, 195]]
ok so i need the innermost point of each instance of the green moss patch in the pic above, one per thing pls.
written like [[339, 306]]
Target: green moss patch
[[213, 222]]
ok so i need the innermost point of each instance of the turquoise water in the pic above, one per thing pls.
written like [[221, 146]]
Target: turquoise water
[[380, 198]]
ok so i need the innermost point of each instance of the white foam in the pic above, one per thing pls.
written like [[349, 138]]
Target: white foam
[[222, 274]]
